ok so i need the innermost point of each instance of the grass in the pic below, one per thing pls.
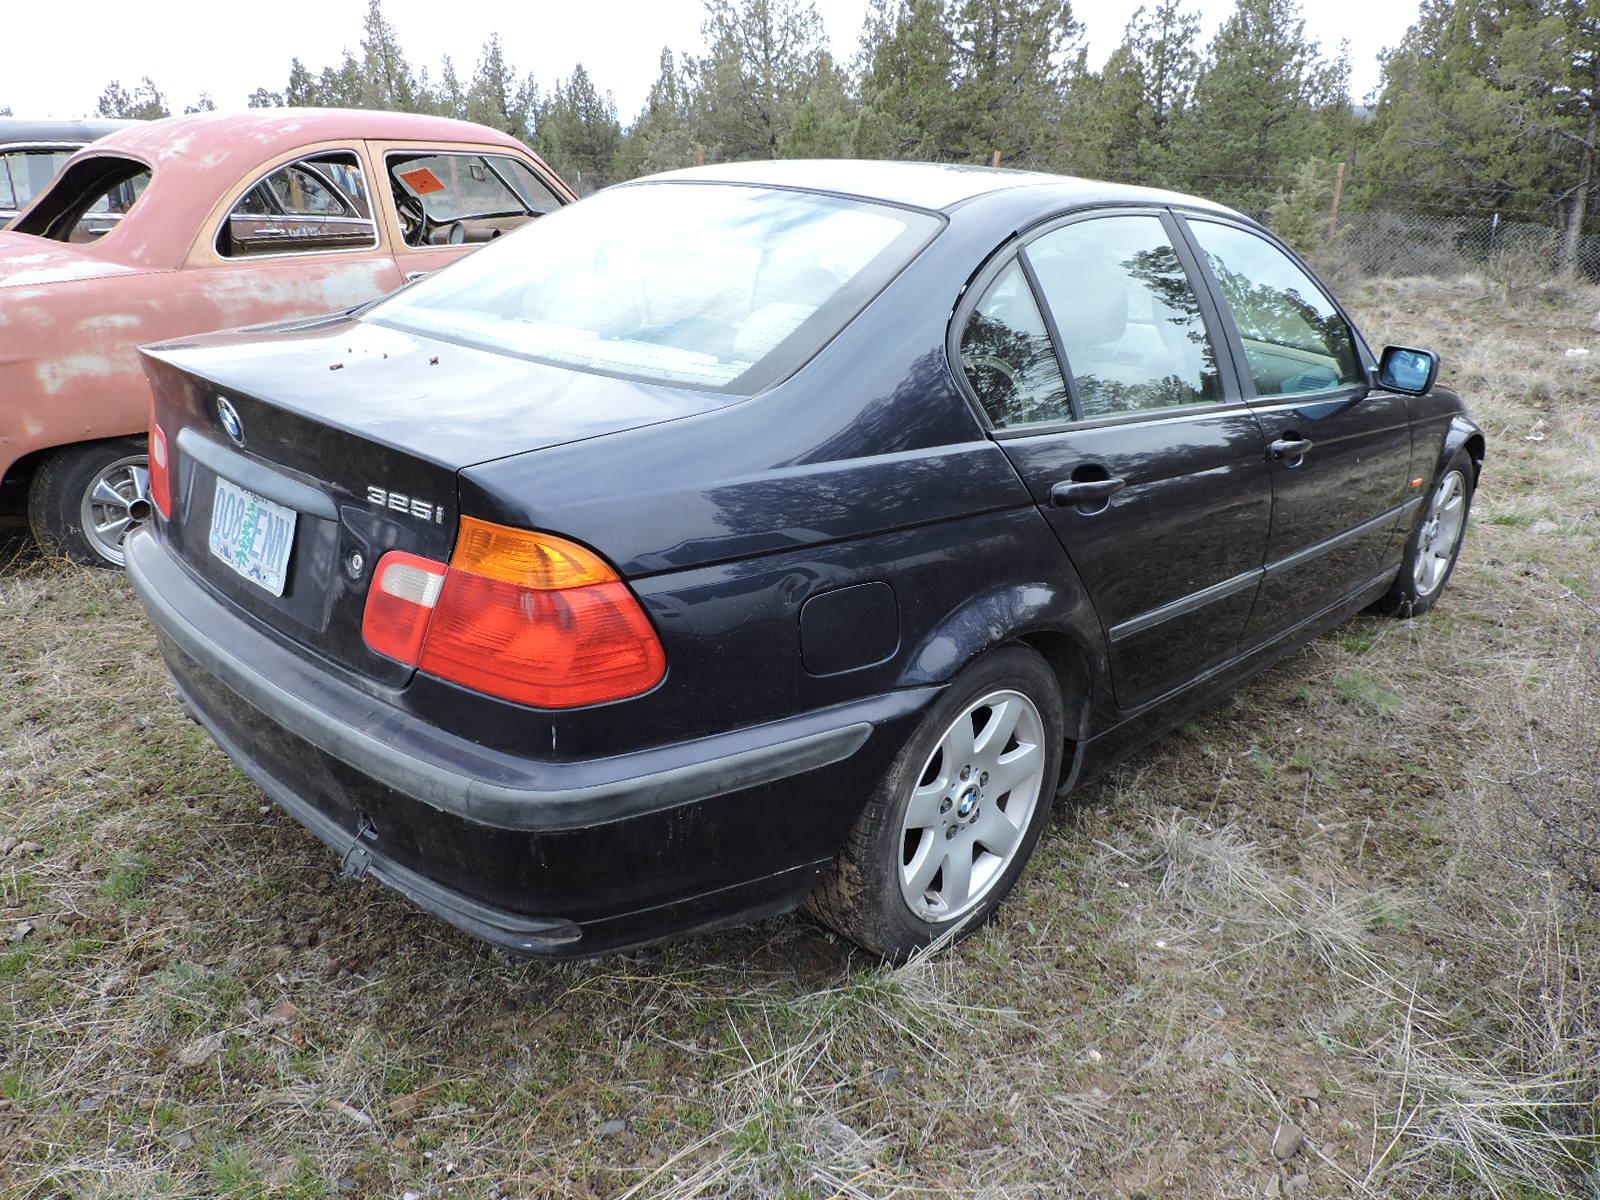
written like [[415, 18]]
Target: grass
[[1335, 900]]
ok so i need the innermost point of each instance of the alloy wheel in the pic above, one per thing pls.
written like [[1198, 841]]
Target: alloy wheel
[[972, 805], [115, 503], [1441, 531]]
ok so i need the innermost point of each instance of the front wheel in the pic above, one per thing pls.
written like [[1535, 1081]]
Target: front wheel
[[85, 500], [1435, 543], [950, 828]]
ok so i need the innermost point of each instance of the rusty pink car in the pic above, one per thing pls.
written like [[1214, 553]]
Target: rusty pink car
[[226, 220]]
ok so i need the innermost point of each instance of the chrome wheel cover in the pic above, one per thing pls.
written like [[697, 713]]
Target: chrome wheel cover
[[1440, 535], [971, 805], [115, 503]]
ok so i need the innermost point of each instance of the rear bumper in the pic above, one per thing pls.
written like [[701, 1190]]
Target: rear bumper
[[550, 858]]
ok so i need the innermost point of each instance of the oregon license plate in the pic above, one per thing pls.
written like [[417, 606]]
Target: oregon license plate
[[252, 535]]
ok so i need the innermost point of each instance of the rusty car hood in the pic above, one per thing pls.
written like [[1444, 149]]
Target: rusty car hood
[[29, 261]]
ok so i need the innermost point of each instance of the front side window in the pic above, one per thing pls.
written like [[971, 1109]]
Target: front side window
[[1295, 341], [24, 173], [314, 205], [1129, 321], [712, 286], [1008, 359], [455, 199]]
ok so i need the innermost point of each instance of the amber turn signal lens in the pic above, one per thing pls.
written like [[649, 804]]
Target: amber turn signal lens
[[532, 560]]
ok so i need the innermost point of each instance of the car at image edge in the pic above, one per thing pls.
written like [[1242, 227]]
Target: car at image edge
[[33, 151], [213, 221], [777, 533]]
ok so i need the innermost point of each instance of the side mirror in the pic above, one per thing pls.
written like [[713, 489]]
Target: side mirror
[[1410, 372]]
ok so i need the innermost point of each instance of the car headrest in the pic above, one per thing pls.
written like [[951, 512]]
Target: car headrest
[[1089, 300]]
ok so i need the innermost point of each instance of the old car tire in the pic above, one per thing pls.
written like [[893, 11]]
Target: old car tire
[[84, 499], [1435, 541], [942, 800]]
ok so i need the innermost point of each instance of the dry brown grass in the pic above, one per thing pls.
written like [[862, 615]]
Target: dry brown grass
[[1332, 901]]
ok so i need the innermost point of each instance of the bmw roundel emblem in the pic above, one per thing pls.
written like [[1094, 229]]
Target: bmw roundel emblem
[[229, 416]]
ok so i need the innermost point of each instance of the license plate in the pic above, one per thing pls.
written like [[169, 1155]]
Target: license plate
[[252, 535]]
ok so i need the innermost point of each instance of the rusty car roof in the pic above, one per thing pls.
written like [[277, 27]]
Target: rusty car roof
[[195, 158]]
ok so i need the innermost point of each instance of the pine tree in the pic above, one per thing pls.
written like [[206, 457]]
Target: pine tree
[[659, 139], [497, 99], [1256, 102], [301, 90], [1012, 64], [390, 82], [762, 60], [578, 132], [1122, 121], [144, 103], [906, 66]]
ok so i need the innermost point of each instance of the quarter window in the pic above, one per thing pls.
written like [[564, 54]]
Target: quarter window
[[1295, 341], [314, 205], [1127, 315], [456, 199], [1008, 358]]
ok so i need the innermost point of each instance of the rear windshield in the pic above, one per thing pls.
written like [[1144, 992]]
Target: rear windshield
[[710, 286]]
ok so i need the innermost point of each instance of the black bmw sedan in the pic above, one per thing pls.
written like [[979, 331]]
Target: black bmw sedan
[[772, 534]]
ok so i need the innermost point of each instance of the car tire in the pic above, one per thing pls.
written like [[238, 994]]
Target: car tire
[[1435, 541], [83, 500], [926, 808]]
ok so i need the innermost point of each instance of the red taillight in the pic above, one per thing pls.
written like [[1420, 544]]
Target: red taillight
[[524, 616], [160, 471]]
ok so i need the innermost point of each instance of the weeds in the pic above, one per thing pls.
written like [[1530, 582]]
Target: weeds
[[1356, 898]]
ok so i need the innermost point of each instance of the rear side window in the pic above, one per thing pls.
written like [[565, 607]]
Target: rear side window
[[1008, 358], [1295, 341], [315, 205], [87, 200], [455, 199], [1129, 321], [712, 286]]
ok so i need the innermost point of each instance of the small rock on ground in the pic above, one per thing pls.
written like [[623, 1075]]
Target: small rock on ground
[[1287, 1141]]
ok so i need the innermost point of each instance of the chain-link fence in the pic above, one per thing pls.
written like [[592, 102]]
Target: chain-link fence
[[1397, 242]]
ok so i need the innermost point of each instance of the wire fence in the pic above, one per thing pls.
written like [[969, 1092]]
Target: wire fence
[[1399, 243]]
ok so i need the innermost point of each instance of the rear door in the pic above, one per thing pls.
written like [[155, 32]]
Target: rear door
[[1339, 451], [1141, 453], [296, 238]]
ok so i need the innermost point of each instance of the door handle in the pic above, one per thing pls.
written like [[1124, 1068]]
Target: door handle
[[1085, 491], [1291, 446], [413, 276]]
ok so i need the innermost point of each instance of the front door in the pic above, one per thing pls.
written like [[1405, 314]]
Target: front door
[[1141, 454], [446, 200], [1339, 451]]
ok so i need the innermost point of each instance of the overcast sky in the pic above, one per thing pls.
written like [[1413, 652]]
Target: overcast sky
[[58, 60]]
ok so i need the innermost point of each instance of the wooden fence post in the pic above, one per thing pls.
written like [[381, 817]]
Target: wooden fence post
[[1338, 190], [995, 161], [699, 154]]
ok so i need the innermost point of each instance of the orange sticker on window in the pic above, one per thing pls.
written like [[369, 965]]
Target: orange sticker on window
[[421, 181]]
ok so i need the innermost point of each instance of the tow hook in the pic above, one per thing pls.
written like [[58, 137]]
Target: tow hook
[[357, 858]]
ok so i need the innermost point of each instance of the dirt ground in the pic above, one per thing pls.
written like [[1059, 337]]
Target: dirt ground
[[1319, 942]]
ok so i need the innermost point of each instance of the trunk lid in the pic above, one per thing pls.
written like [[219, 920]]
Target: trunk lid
[[360, 431]]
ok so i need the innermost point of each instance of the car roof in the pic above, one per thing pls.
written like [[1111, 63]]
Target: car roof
[[197, 157], [15, 130], [226, 140], [935, 186]]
